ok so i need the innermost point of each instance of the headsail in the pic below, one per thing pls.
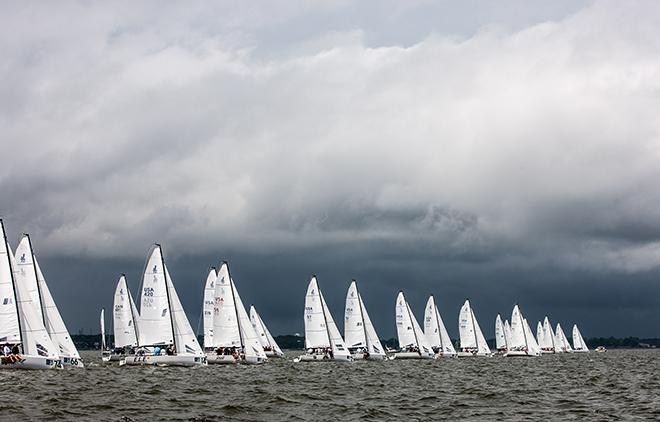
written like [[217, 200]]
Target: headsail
[[185, 339], [251, 342], [532, 345], [561, 341], [507, 332], [265, 337]]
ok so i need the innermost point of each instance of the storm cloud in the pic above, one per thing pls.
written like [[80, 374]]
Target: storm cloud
[[509, 153]]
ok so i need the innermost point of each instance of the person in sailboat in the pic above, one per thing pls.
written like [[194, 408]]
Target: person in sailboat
[[170, 350], [6, 350]]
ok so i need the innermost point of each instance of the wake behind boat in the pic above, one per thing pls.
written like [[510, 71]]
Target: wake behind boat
[[165, 337], [359, 332], [413, 344], [26, 343], [323, 343]]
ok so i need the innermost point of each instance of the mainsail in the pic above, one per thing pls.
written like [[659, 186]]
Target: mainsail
[[156, 327], [548, 340], [435, 330], [561, 341], [124, 316], [500, 338], [225, 318], [320, 329], [578, 342], [470, 333], [207, 308], [409, 332], [267, 340], [359, 332]]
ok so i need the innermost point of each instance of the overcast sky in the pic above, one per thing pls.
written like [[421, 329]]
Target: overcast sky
[[505, 151]]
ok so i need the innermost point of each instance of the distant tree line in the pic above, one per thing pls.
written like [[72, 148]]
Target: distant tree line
[[292, 342]]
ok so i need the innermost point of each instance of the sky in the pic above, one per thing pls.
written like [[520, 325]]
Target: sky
[[507, 152]]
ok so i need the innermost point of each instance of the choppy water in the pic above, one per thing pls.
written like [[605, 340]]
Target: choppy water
[[617, 385]]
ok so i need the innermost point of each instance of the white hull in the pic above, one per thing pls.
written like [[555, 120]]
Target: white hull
[[472, 355], [166, 360], [411, 355], [360, 356], [519, 354], [33, 362], [547, 352], [322, 358], [580, 351], [72, 362], [215, 359], [273, 354]]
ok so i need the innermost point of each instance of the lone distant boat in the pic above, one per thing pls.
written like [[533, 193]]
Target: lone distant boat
[[601, 349], [413, 343], [436, 332], [125, 324], [523, 343], [500, 337], [547, 339], [267, 341], [21, 327], [207, 309], [561, 343], [472, 339], [165, 337], [30, 274], [323, 342], [359, 333], [579, 346], [234, 337]]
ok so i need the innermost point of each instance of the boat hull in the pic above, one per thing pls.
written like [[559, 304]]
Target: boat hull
[[72, 362], [107, 357], [32, 362], [518, 354], [273, 354], [322, 358], [472, 355], [167, 360], [547, 352], [580, 351], [372, 356], [215, 359], [411, 355]]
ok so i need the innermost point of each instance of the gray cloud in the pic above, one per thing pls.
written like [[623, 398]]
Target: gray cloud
[[451, 140]]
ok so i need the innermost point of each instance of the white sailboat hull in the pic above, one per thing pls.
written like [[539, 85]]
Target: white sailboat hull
[[472, 355], [166, 360], [445, 355], [274, 354], [216, 359], [33, 362], [372, 356], [580, 351], [72, 362], [322, 358], [547, 352], [519, 353], [411, 355]]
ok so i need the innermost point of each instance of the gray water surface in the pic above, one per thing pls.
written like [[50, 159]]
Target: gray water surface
[[617, 385]]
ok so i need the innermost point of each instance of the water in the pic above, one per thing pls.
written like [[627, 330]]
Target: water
[[617, 385]]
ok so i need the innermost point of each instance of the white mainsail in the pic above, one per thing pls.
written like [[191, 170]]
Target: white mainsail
[[539, 333], [28, 327], [156, 326], [435, 330], [320, 328], [547, 341], [470, 333], [518, 335], [578, 342], [225, 318], [359, 332], [267, 340], [54, 322], [500, 338], [507, 332], [561, 341], [27, 274], [408, 330], [185, 339], [207, 307], [102, 321], [124, 316]]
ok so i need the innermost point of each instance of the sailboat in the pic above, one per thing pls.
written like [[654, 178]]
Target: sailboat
[[579, 346], [547, 338], [234, 337], [359, 332], [267, 341], [473, 342], [105, 352], [522, 340], [207, 309], [30, 273], [125, 323], [323, 342], [21, 327], [165, 337], [561, 342], [507, 332], [436, 332], [413, 344], [500, 337]]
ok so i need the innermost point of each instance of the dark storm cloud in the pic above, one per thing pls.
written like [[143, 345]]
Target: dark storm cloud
[[460, 150]]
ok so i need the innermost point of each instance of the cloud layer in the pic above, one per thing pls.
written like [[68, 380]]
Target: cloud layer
[[513, 145]]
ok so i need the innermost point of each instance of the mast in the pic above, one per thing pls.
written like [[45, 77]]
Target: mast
[[419, 349], [233, 297], [437, 322], [169, 300], [13, 284], [364, 327], [130, 305], [36, 276], [474, 326], [325, 318]]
